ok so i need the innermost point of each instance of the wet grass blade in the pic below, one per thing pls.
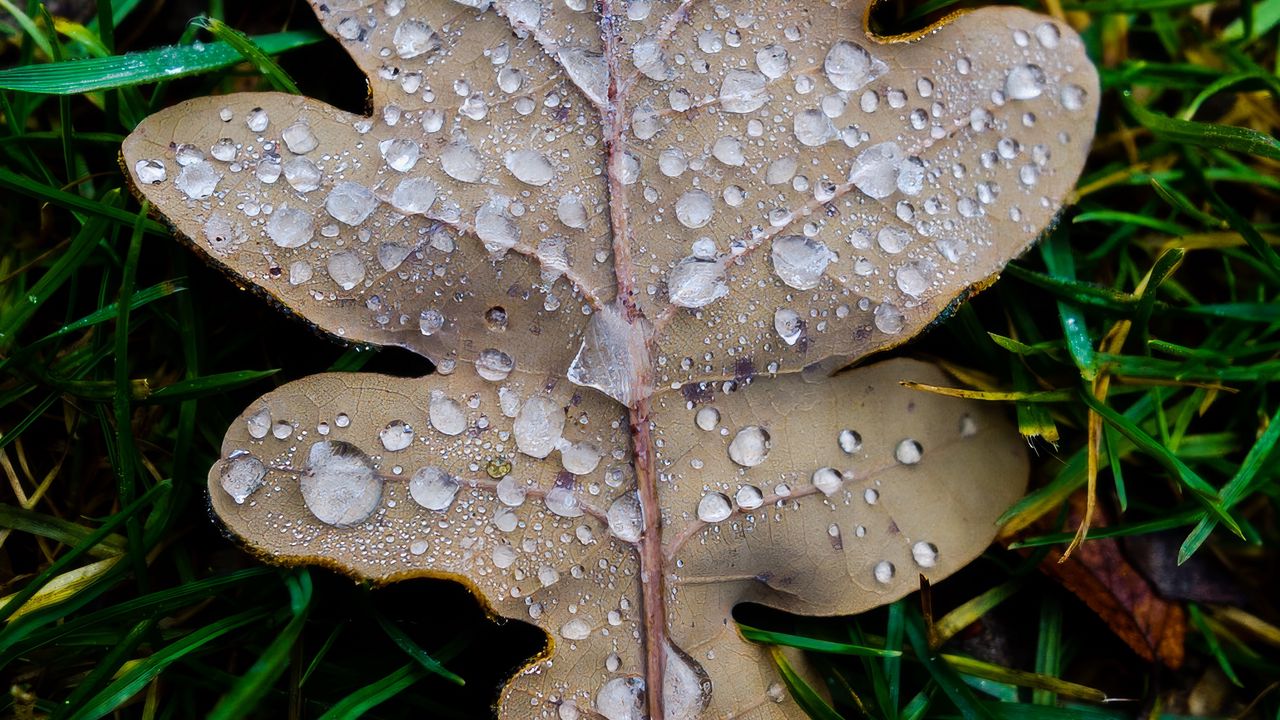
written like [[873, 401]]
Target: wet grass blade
[[801, 642], [415, 651], [805, 696], [370, 696], [73, 77]]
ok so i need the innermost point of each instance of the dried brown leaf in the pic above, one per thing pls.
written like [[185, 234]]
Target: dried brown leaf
[[679, 205]]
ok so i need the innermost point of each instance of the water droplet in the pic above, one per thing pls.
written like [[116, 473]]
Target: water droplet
[[338, 484], [150, 172], [572, 212], [827, 480], [908, 452], [588, 71], [401, 154], [197, 180], [503, 555], [299, 138], [750, 446], [563, 501], [813, 128], [461, 162], [350, 202], [414, 196], [850, 441], [1048, 34], [773, 61], [883, 572], [714, 507], [494, 365], [707, 418], [495, 227], [529, 167], [241, 475], [749, 497], [799, 261], [743, 91], [302, 174], [396, 436], [446, 414], [849, 66], [912, 278], [259, 424], [256, 120], [968, 426], [695, 283], [1073, 97], [413, 38], [511, 492], [282, 430], [433, 488], [346, 269], [622, 698], [1024, 82], [580, 458], [925, 554], [418, 547], [875, 170], [888, 318], [290, 227], [694, 209], [626, 520], [539, 426], [787, 323], [728, 150]]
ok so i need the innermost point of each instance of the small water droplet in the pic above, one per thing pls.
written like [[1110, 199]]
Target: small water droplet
[[883, 572], [827, 480], [626, 521], [707, 418], [396, 436], [749, 497], [908, 452], [925, 554]]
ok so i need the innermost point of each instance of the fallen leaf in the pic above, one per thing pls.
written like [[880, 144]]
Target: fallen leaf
[[1103, 578], [621, 235]]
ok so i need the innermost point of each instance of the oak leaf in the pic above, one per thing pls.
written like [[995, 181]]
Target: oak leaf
[[621, 233]]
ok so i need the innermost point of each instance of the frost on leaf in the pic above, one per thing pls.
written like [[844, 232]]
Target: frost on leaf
[[620, 232]]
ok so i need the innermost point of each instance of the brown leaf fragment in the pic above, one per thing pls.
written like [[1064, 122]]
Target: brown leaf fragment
[[1102, 577]]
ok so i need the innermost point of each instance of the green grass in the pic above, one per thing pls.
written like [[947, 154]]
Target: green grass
[[122, 360]]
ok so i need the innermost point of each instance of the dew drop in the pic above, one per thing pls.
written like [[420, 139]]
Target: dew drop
[[743, 91], [707, 418], [799, 261], [749, 497], [445, 414], [396, 436], [350, 202], [750, 446], [290, 227], [299, 138], [827, 480], [338, 484], [925, 554], [908, 452], [626, 520], [150, 172], [883, 572], [433, 488], [849, 66], [240, 475], [787, 323], [1024, 82], [850, 441], [259, 424], [494, 365], [714, 507], [529, 167], [539, 426]]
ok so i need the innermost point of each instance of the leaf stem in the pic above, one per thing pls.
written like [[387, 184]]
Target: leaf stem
[[652, 575]]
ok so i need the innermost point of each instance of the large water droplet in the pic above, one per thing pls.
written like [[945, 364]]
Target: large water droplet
[[539, 426], [883, 572], [694, 209], [197, 180], [241, 475], [338, 484], [875, 170], [580, 458], [346, 269], [773, 61], [396, 436], [743, 91], [799, 261], [925, 554], [572, 212], [849, 66], [299, 138], [850, 441], [414, 196], [588, 71], [290, 227], [433, 488], [445, 414], [401, 154], [908, 452], [813, 128], [495, 227], [576, 629], [529, 167], [1024, 82], [714, 507], [150, 172], [494, 365], [460, 161], [563, 500], [350, 202], [622, 698], [749, 497], [750, 446], [888, 318], [695, 283], [259, 424], [625, 518], [413, 38], [707, 418], [827, 480]]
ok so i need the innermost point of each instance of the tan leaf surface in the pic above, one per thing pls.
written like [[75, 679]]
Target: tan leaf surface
[[811, 528], [678, 205]]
